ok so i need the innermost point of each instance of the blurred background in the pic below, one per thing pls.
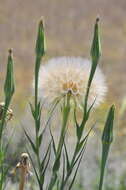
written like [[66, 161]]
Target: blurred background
[[69, 30]]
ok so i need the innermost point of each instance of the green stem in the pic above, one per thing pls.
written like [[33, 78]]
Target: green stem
[[64, 125], [105, 151], [92, 72], [37, 66], [66, 111]]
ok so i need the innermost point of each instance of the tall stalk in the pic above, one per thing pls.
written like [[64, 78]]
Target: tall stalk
[[81, 143], [40, 51], [36, 113], [56, 165]]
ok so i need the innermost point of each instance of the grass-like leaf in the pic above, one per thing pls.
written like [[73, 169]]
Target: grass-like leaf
[[76, 171], [67, 157], [31, 142]]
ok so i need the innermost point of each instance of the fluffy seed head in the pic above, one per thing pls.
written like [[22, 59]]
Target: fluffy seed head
[[63, 75]]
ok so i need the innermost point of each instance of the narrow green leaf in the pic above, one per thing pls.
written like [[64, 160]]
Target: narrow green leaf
[[38, 122], [78, 157], [52, 182], [47, 163], [32, 110], [53, 142], [79, 132], [63, 171], [90, 108], [78, 128], [40, 139], [85, 138], [45, 168], [32, 144], [67, 157], [46, 154], [75, 118], [76, 171], [56, 163]]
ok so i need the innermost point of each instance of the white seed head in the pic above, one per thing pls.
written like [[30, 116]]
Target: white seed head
[[63, 75], [24, 155]]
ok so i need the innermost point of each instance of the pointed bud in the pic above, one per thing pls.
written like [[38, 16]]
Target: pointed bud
[[9, 81], [40, 43], [107, 136], [96, 46]]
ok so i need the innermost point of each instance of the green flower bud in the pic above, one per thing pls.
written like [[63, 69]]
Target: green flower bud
[[9, 86], [107, 136], [40, 43], [96, 45]]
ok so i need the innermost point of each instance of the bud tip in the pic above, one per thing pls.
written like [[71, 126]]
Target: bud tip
[[97, 19], [41, 23], [10, 51]]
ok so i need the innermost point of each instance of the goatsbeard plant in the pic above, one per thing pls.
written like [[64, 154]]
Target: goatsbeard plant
[[64, 82]]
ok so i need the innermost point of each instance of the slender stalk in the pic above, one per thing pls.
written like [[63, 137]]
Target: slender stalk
[[105, 152], [56, 166], [40, 50], [64, 125], [38, 60], [95, 55], [36, 108]]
